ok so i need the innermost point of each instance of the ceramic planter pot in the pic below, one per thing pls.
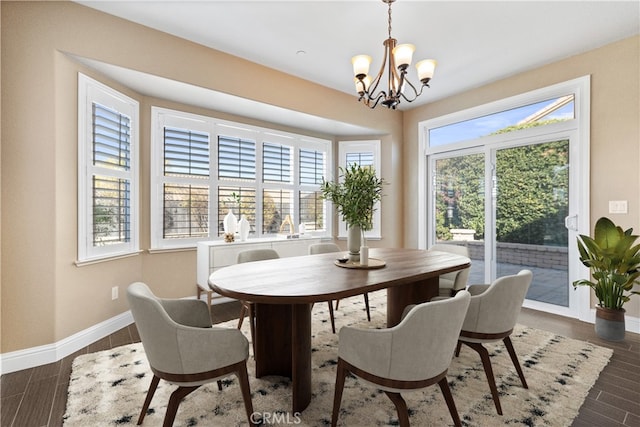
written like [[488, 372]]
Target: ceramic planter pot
[[610, 323]]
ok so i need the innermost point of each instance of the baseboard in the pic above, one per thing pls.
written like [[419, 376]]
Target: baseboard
[[49, 353]]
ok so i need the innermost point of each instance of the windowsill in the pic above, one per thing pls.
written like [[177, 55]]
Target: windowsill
[[250, 240], [105, 259]]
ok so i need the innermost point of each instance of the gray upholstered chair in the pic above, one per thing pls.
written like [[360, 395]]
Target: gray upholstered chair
[[184, 349], [412, 355], [492, 315], [252, 255], [325, 248], [450, 283]]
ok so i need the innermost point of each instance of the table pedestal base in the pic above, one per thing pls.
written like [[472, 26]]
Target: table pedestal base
[[283, 347], [398, 297]]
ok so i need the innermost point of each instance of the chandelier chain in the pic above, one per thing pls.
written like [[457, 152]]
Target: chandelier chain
[[389, 19]]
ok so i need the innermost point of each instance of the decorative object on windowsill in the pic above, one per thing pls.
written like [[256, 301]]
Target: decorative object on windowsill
[[243, 228], [230, 221], [355, 196], [302, 229], [400, 86], [229, 237], [287, 224], [614, 261]]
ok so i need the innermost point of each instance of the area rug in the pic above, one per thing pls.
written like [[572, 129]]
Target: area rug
[[108, 388]]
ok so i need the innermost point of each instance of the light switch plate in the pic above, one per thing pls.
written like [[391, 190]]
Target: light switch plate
[[617, 206]]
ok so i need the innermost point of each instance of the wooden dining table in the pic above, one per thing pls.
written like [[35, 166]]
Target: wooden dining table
[[283, 291]]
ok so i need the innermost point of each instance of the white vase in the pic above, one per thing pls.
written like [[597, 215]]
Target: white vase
[[364, 255], [302, 228], [230, 223], [243, 228], [353, 242]]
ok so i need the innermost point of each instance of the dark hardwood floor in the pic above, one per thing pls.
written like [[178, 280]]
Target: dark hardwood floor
[[37, 396]]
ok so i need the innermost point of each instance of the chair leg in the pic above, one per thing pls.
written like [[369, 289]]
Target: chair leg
[[252, 326], [366, 304], [488, 370], [333, 321], [243, 378], [243, 312], [174, 402], [448, 397], [219, 385], [401, 407], [337, 302], [457, 353], [147, 400], [514, 359], [341, 374]]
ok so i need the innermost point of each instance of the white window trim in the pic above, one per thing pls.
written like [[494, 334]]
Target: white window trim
[[344, 148], [215, 127], [90, 90]]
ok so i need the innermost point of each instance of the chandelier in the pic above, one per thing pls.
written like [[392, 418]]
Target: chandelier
[[399, 58]]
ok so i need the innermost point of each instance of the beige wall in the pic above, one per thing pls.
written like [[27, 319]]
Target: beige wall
[[45, 297], [615, 128]]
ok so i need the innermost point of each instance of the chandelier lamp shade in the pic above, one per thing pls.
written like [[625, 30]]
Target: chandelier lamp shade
[[397, 59]]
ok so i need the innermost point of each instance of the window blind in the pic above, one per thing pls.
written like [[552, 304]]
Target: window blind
[[111, 138], [236, 158], [276, 163], [311, 167], [186, 211], [276, 205], [186, 153], [361, 159], [311, 210], [111, 210]]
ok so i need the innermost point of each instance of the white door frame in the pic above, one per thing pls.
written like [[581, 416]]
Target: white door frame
[[576, 130]]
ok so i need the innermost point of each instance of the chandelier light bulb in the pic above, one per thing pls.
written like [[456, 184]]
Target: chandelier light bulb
[[403, 54], [361, 65], [426, 68]]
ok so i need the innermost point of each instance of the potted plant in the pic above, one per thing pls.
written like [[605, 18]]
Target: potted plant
[[614, 261], [355, 196]]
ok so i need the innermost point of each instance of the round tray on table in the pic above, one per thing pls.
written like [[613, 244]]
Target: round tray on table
[[373, 264]]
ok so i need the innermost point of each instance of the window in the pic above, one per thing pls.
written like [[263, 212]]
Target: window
[[202, 168], [363, 153], [107, 172], [559, 108]]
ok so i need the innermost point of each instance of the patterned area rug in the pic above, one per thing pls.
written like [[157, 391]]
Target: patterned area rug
[[109, 387]]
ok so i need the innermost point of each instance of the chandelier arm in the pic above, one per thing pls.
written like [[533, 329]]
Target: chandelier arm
[[415, 91], [375, 82]]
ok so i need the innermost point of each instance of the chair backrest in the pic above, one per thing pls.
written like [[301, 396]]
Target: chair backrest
[[323, 248], [157, 330], [457, 278], [256, 255], [424, 341], [496, 310]]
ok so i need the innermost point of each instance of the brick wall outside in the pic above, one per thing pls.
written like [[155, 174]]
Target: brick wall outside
[[514, 253]]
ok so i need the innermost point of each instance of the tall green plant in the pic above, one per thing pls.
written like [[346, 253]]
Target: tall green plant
[[355, 195], [614, 262]]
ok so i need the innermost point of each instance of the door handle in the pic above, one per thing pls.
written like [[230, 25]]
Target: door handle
[[571, 222]]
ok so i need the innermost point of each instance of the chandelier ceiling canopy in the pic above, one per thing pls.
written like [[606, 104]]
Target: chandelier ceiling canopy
[[396, 60]]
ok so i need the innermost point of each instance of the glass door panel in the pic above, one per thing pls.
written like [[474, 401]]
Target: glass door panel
[[531, 203], [459, 190]]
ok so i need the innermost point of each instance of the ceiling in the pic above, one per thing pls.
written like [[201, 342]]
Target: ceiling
[[474, 42]]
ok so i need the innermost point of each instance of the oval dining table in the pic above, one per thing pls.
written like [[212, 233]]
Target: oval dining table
[[283, 291]]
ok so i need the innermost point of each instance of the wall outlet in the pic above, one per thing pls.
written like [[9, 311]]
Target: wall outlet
[[114, 293], [617, 206]]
